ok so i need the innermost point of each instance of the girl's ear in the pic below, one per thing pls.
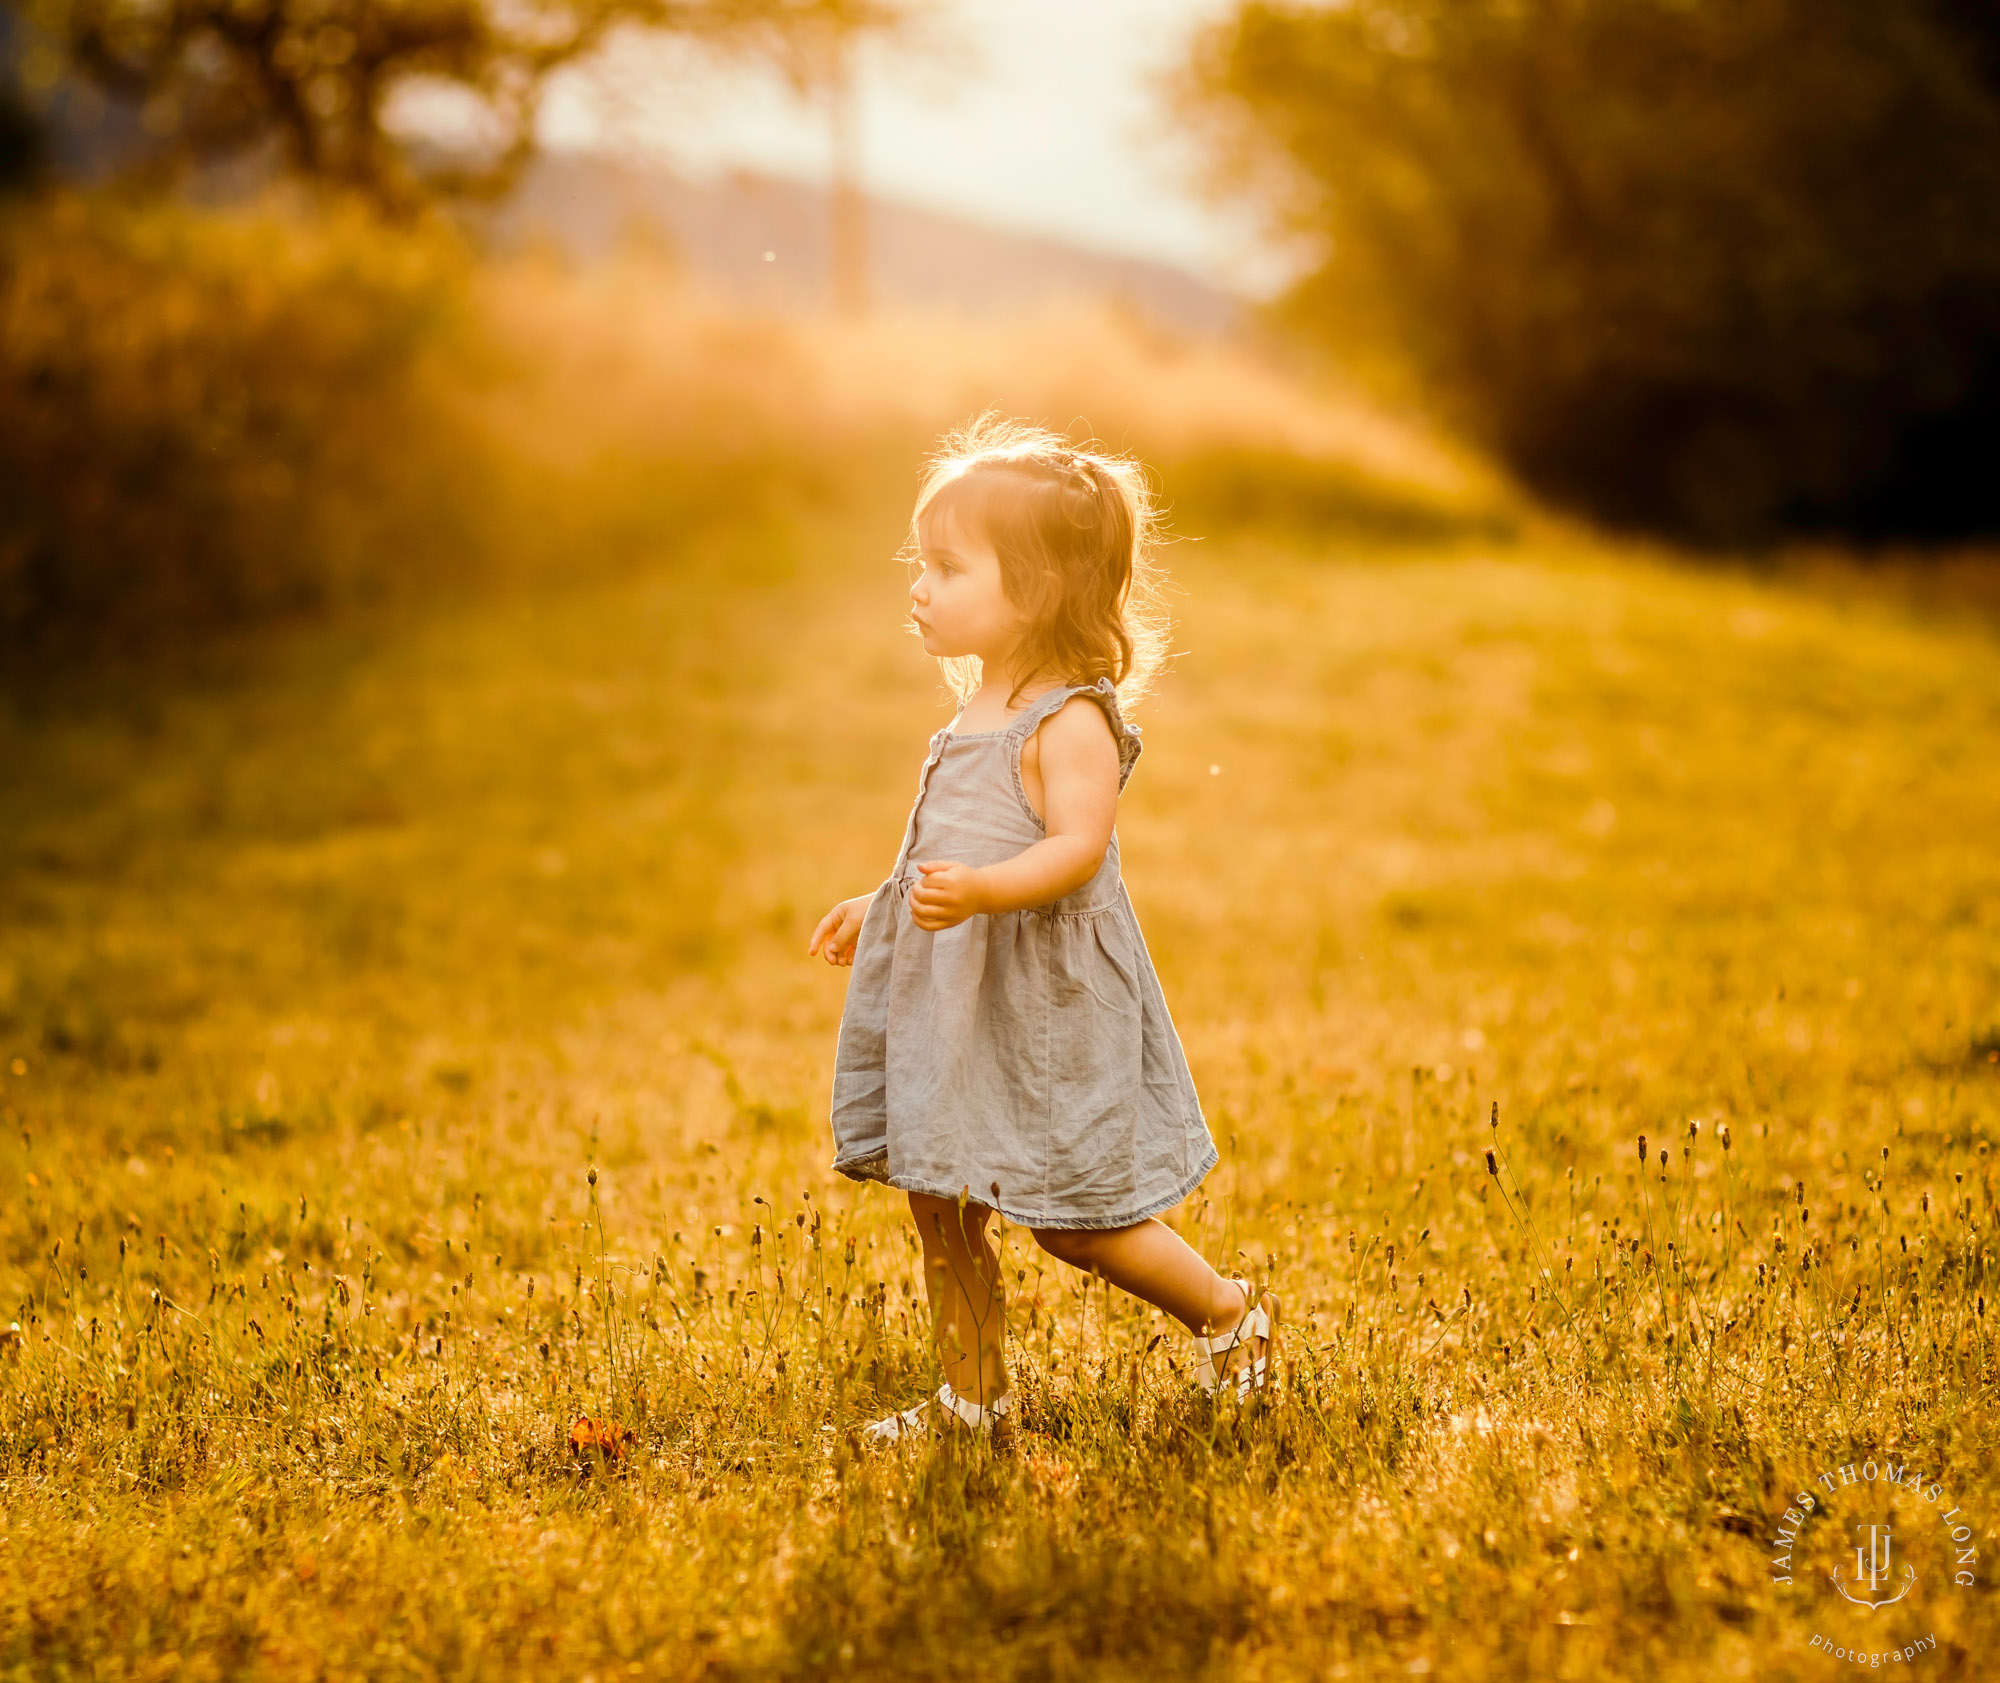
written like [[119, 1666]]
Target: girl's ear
[[1025, 594]]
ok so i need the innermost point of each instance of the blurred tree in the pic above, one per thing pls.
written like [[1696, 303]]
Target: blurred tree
[[1719, 267], [23, 145], [315, 77], [24, 139]]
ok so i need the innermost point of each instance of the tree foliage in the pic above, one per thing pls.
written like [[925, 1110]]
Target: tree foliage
[[209, 421], [1721, 267], [316, 77]]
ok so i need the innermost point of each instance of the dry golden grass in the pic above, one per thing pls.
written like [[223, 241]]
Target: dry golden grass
[[634, 350], [332, 977]]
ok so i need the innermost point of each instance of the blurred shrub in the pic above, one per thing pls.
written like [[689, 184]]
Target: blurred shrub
[[1249, 485], [1721, 267], [210, 420]]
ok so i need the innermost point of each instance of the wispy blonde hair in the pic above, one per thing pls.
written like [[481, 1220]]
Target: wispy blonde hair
[[1076, 533]]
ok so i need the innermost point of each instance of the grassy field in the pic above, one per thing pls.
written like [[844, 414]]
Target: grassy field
[[409, 1048]]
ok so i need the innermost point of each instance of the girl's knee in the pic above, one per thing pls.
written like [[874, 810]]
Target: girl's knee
[[1078, 1246]]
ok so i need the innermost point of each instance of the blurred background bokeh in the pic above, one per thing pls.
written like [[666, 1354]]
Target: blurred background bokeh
[[1725, 272], [280, 276]]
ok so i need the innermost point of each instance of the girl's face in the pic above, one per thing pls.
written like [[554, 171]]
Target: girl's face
[[957, 600]]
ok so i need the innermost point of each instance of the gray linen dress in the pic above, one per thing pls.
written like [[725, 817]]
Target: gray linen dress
[[1023, 1058]]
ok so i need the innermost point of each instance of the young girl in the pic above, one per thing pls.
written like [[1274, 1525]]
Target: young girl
[[1005, 1044]]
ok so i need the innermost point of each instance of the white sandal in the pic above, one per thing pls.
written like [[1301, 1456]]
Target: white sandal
[[1256, 1323], [914, 1422]]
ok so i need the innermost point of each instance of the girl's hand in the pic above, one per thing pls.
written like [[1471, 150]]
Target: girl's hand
[[949, 894], [839, 930]]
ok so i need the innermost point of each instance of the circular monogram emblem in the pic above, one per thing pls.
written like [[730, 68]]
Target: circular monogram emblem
[[1874, 1550]]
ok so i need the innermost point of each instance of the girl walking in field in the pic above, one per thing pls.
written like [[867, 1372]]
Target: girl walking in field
[[1005, 1043]]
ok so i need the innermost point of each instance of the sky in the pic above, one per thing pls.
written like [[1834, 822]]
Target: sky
[[1037, 115]]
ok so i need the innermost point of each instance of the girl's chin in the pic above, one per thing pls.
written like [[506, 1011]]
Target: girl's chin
[[940, 647]]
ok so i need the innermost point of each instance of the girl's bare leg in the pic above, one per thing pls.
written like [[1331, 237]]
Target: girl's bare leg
[[1153, 1262], [968, 1303]]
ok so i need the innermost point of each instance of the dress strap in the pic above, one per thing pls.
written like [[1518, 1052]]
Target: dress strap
[[1025, 722], [1105, 694]]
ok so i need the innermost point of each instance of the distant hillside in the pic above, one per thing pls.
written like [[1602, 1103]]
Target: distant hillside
[[915, 257]]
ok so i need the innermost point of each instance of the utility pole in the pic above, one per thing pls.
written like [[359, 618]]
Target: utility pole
[[850, 210]]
